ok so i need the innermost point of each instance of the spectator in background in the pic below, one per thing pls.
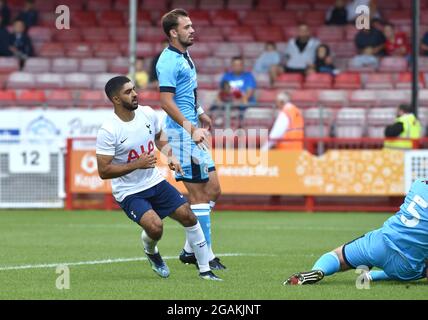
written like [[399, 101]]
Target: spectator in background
[[299, 53], [323, 61], [29, 15], [4, 41], [20, 43], [370, 44], [337, 14], [406, 126], [4, 13], [424, 44], [240, 81], [153, 77], [396, 42], [141, 75], [289, 124], [267, 59], [226, 95]]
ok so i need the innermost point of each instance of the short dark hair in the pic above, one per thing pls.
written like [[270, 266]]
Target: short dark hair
[[406, 108], [237, 58], [114, 85], [170, 19]]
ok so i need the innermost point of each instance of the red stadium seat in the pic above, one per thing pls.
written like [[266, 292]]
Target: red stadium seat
[[118, 34], [238, 34], [239, 4], [227, 50], [252, 49], [65, 65], [31, 98], [330, 33], [347, 81], [392, 98], [211, 5], [40, 34], [106, 50], [149, 97], [210, 65], [150, 34], [84, 19], [52, 50], [404, 80], [318, 81], [399, 17], [304, 98], [266, 34], [60, 98], [271, 5], [185, 4], [289, 81], [206, 81], [224, 18], [71, 35], [266, 96], [95, 34], [74, 5], [315, 18], [37, 65], [92, 99], [111, 19], [143, 16], [333, 98], [8, 65], [297, 5], [78, 81], [93, 65], [379, 81], [21, 80], [121, 5], [251, 18], [201, 51], [200, 18], [99, 5], [388, 4], [262, 80], [342, 49], [49, 81], [209, 34], [283, 18], [144, 49], [393, 64], [322, 5], [362, 98], [78, 50], [43, 5], [7, 98], [101, 79], [119, 65]]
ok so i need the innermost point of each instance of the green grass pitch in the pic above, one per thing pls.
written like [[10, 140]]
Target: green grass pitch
[[260, 250]]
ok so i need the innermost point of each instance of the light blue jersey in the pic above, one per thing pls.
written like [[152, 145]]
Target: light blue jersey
[[407, 231], [177, 74]]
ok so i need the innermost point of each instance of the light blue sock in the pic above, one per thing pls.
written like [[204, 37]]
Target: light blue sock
[[328, 263], [377, 275], [202, 211]]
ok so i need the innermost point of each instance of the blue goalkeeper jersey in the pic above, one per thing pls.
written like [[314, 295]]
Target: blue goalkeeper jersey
[[177, 74], [407, 230]]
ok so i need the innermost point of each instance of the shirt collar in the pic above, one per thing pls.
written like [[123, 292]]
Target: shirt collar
[[172, 48]]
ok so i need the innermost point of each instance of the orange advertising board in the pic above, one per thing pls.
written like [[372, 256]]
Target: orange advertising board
[[278, 172]]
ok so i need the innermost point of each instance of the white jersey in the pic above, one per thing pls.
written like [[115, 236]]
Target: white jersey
[[126, 141]]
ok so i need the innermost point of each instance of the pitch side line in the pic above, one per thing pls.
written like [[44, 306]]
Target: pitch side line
[[119, 260]]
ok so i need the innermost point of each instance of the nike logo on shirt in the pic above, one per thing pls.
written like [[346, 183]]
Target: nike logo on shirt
[[122, 141]]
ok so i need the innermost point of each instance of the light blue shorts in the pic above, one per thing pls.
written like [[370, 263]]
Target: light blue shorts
[[371, 250], [195, 162]]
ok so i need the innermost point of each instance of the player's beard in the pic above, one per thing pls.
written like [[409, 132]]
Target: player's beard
[[130, 106], [185, 43]]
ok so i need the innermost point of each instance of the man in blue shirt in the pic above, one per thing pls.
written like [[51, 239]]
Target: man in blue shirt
[[178, 94], [399, 248]]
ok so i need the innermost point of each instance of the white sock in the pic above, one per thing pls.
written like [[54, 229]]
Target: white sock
[[197, 240], [212, 205], [148, 243]]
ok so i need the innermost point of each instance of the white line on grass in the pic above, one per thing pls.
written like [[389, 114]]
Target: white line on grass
[[118, 260]]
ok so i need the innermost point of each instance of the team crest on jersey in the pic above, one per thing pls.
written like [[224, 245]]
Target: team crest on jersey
[[148, 127]]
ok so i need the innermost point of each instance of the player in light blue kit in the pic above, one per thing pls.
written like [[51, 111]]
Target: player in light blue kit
[[399, 248], [178, 94]]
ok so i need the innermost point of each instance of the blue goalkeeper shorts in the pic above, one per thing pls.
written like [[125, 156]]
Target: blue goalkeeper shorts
[[371, 250]]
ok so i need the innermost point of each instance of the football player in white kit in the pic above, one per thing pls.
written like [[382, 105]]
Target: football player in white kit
[[125, 154]]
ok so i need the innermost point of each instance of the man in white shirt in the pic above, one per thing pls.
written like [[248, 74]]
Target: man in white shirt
[[125, 154]]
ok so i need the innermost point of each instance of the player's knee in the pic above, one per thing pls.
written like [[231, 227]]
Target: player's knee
[[155, 231], [188, 218]]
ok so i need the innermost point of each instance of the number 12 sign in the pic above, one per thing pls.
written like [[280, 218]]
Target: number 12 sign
[[29, 159]]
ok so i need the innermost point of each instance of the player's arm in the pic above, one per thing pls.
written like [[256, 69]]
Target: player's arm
[[161, 141], [108, 170], [199, 135]]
